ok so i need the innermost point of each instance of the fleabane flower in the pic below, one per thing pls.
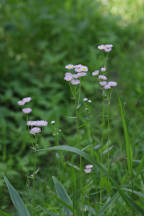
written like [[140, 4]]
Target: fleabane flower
[[39, 123], [69, 66], [68, 76], [82, 74], [21, 103], [27, 99], [105, 47], [95, 73], [53, 122], [84, 68], [107, 86], [112, 83], [24, 100], [75, 82], [89, 166], [35, 130], [85, 99], [79, 68], [103, 69], [103, 83], [87, 170], [27, 110], [89, 101], [102, 77]]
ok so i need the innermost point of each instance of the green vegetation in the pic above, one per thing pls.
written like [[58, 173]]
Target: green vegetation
[[37, 39]]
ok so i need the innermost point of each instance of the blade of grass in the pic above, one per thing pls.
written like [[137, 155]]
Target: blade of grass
[[63, 195], [131, 203], [16, 199], [127, 140], [107, 204], [2, 213]]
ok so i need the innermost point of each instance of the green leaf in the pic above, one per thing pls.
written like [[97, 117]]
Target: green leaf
[[127, 141], [2, 213], [131, 203], [74, 150], [107, 204], [63, 195], [16, 199]]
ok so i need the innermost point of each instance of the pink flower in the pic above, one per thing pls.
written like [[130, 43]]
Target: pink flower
[[112, 83], [95, 73], [35, 130], [39, 123], [102, 77], [82, 74], [27, 99], [87, 170], [89, 166], [21, 102], [103, 83], [24, 100], [103, 69], [105, 47], [107, 86], [68, 76], [69, 66], [85, 99], [27, 110], [75, 82]]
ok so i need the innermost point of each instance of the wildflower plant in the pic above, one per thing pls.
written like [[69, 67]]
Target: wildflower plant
[[90, 144]]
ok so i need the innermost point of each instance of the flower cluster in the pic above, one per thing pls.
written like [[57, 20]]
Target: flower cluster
[[39, 123], [35, 124], [80, 71], [105, 47], [88, 168], [24, 101], [86, 99]]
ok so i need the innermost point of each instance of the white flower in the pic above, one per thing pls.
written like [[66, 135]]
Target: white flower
[[35, 130], [112, 83], [89, 101], [24, 100], [95, 73], [69, 66], [39, 123], [84, 68], [105, 47], [107, 86], [27, 99], [53, 122], [103, 83], [27, 110], [21, 102], [68, 76], [85, 99], [103, 69], [82, 74], [87, 170], [75, 82], [102, 77], [89, 166]]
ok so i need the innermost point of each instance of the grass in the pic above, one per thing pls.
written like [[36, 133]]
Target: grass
[[37, 39]]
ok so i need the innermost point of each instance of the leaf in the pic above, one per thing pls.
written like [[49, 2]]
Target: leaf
[[16, 199], [74, 150], [131, 203], [107, 204], [127, 141], [62, 194], [2, 213]]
